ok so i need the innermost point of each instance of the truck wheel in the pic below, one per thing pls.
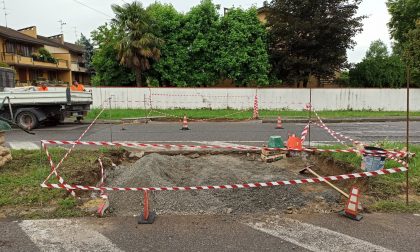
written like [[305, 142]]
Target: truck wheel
[[27, 120]]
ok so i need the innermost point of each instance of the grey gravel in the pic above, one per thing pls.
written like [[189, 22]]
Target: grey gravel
[[164, 171]]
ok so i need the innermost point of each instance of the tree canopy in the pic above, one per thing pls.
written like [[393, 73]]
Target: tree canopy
[[404, 14], [310, 37], [88, 53], [411, 54], [378, 68], [137, 45], [243, 55], [199, 48], [108, 71]]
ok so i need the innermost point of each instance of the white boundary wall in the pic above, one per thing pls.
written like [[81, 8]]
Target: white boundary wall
[[268, 98]]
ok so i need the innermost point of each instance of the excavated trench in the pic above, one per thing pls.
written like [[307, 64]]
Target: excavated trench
[[159, 170]]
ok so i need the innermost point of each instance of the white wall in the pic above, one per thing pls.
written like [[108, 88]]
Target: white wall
[[268, 98]]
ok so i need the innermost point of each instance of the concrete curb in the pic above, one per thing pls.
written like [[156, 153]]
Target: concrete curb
[[343, 120], [273, 120]]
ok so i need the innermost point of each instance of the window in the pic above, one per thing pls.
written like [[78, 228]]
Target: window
[[10, 47], [24, 50]]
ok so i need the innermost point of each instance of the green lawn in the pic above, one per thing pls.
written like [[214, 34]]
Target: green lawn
[[115, 114], [21, 194]]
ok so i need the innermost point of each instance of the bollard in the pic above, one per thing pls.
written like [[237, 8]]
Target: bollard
[[146, 217]]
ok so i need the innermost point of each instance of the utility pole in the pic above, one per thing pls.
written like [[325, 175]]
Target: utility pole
[[4, 10], [61, 25]]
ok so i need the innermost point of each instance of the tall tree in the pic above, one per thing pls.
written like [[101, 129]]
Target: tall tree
[[108, 71], [243, 55], [172, 68], [311, 37], [378, 68], [200, 31], [404, 14], [411, 54], [88, 53], [137, 45]]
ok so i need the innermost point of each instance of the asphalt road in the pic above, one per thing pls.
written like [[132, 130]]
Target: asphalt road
[[249, 133], [316, 232]]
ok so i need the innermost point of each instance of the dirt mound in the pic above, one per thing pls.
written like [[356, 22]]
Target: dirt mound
[[162, 170]]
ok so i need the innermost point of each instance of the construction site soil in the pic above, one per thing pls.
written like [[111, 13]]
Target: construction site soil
[[157, 170]]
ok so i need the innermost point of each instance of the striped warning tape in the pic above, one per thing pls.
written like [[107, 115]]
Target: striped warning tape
[[305, 132], [233, 186], [202, 95], [211, 147], [399, 154], [334, 134], [53, 170]]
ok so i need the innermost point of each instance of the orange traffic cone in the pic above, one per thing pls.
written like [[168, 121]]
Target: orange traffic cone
[[294, 142], [185, 124], [352, 205], [279, 123]]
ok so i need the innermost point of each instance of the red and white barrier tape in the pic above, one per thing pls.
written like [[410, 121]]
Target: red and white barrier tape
[[305, 132], [53, 170], [399, 154], [200, 95], [209, 147], [334, 134], [256, 114], [233, 186], [55, 167]]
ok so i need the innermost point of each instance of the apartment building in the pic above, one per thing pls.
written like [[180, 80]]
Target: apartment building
[[38, 58]]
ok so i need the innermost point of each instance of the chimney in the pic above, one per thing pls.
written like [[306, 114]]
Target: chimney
[[30, 31], [58, 38]]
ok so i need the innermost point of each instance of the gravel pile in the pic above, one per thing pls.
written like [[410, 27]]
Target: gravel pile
[[162, 170]]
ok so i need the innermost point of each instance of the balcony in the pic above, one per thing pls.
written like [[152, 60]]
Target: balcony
[[78, 67], [15, 59]]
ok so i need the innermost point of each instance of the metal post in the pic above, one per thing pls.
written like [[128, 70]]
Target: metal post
[[310, 115], [408, 134], [110, 108]]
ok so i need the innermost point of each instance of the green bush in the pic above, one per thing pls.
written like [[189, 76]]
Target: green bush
[[44, 55], [3, 64]]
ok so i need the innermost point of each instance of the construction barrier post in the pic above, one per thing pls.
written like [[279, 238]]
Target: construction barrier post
[[146, 217], [256, 114], [352, 206]]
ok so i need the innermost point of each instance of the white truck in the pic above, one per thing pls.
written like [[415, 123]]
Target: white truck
[[29, 108]]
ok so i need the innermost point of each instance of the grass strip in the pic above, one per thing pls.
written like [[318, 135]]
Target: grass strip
[[116, 114]]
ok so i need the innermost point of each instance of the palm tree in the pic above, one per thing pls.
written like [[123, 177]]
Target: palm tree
[[137, 46]]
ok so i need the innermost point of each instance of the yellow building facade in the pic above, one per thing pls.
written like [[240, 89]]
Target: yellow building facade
[[20, 49]]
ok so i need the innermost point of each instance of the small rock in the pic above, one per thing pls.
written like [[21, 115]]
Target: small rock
[[272, 209], [195, 155], [229, 210], [136, 154], [319, 198]]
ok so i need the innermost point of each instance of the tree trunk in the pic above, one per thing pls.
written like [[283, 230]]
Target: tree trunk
[[305, 82], [138, 77]]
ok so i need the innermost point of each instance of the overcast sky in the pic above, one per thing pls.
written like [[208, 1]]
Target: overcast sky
[[45, 14]]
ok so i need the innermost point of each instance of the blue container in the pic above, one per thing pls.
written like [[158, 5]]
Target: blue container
[[372, 163]]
